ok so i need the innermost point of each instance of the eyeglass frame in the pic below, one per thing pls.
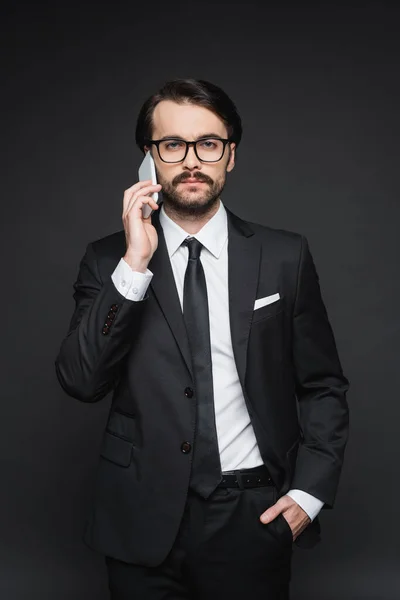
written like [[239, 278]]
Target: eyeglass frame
[[156, 143]]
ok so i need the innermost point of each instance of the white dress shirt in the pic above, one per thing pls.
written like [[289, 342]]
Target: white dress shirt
[[236, 439]]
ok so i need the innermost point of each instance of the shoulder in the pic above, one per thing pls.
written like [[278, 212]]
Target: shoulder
[[275, 235], [112, 245], [283, 242], [287, 247], [105, 253]]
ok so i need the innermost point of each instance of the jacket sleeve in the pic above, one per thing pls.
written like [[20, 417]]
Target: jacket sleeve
[[320, 388], [101, 333]]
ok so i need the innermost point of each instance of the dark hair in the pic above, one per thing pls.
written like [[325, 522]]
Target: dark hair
[[192, 91]]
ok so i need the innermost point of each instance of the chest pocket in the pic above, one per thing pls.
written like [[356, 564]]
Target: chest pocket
[[269, 310]]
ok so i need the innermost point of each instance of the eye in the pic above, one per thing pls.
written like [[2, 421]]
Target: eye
[[173, 145], [208, 144]]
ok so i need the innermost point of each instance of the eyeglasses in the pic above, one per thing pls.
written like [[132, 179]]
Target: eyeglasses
[[174, 150]]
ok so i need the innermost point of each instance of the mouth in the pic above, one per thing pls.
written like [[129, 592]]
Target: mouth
[[192, 181]]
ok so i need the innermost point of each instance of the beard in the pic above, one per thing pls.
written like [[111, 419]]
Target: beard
[[194, 202]]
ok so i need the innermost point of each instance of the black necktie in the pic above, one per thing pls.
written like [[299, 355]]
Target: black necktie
[[206, 466]]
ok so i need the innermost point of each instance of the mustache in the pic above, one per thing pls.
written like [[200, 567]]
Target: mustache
[[198, 176]]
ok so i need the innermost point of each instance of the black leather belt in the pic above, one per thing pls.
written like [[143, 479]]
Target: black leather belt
[[246, 478]]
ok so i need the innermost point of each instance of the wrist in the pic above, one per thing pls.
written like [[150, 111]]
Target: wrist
[[136, 264]]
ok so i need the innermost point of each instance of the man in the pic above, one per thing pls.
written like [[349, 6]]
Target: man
[[229, 420]]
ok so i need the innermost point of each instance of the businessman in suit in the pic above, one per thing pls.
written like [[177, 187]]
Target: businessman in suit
[[229, 420]]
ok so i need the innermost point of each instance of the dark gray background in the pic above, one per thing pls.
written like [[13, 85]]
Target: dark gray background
[[318, 90]]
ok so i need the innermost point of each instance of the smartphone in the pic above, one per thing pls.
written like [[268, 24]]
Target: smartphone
[[147, 170]]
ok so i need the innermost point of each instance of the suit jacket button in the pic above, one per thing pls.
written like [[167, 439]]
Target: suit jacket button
[[186, 447], [189, 392]]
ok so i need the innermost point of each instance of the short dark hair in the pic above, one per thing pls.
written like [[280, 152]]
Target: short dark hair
[[193, 91]]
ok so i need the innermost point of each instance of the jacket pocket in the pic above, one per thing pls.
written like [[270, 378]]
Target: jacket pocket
[[269, 310], [122, 425], [116, 449]]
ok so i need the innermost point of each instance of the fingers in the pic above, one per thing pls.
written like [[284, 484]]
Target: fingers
[[137, 187], [139, 194], [136, 207], [273, 511], [270, 514], [136, 203]]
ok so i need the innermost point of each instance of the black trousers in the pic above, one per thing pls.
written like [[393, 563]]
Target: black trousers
[[222, 550]]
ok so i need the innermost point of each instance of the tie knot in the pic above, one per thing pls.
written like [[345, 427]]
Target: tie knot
[[194, 247]]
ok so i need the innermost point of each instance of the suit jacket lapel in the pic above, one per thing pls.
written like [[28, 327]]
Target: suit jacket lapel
[[164, 288], [244, 254]]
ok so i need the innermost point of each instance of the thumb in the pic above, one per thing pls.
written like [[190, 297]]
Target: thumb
[[272, 512]]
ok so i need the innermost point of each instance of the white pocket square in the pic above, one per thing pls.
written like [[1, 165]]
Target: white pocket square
[[267, 300]]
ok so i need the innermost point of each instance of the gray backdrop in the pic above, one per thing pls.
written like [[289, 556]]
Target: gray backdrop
[[318, 90]]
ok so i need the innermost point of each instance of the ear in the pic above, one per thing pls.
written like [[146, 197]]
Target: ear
[[231, 161]]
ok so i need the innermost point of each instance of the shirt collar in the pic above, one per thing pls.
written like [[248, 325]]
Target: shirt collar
[[212, 235]]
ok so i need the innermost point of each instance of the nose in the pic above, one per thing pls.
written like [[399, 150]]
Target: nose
[[191, 161]]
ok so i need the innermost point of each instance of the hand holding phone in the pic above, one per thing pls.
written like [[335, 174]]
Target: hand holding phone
[[140, 234]]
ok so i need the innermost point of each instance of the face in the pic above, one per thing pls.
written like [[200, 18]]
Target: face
[[190, 122]]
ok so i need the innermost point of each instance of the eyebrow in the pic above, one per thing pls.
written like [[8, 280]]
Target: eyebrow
[[200, 137]]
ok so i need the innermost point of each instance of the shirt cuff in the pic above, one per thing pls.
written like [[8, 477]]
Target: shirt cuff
[[131, 284], [310, 504]]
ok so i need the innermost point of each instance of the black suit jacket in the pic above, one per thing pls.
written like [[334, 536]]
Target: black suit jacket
[[286, 360]]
